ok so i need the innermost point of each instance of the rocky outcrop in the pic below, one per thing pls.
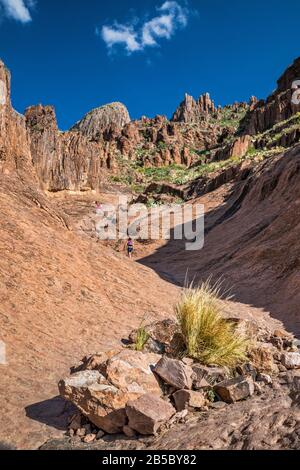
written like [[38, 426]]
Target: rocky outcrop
[[278, 107], [14, 142], [186, 386], [237, 148], [105, 122], [192, 111], [102, 398], [64, 160], [82, 158]]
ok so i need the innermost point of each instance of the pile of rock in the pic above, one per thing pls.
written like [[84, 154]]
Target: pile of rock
[[143, 393]]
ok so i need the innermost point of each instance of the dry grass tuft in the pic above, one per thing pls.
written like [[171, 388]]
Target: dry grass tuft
[[209, 338]]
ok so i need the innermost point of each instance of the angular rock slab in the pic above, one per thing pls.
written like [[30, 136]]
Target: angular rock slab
[[234, 390], [99, 361], [132, 370], [187, 398], [212, 375], [262, 357], [102, 403], [291, 360], [148, 413], [174, 373]]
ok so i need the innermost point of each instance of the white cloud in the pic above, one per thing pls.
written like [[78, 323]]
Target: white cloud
[[120, 34], [171, 17], [18, 10]]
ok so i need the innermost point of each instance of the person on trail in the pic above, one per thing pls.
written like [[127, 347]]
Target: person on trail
[[130, 247], [98, 206]]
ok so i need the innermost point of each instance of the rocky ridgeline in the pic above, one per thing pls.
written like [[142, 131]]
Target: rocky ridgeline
[[84, 158], [278, 106], [146, 393]]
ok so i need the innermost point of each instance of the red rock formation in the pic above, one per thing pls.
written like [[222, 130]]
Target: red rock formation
[[14, 142], [278, 107], [191, 110], [105, 122], [64, 160]]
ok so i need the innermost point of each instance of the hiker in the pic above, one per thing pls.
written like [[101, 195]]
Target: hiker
[[99, 208], [130, 247]]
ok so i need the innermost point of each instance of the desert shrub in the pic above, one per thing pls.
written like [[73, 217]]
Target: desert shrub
[[211, 396], [208, 336], [141, 338]]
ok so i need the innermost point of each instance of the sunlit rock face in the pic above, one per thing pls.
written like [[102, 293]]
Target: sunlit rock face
[[105, 122], [14, 141], [2, 93]]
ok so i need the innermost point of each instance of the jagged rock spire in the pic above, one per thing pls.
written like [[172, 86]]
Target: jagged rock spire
[[191, 110]]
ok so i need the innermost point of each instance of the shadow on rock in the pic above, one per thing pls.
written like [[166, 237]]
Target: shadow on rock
[[54, 412]]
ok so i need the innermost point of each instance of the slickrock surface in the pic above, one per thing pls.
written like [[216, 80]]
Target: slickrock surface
[[62, 297]]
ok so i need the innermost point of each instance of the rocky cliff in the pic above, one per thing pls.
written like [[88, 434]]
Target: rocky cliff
[[105, 122], [64, 160], [96, 147], [278, 106], [14, 141]]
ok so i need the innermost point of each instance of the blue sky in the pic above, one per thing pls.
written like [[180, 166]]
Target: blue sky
[[80, 54]]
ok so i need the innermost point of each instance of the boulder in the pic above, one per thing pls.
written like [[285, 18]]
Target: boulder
[[262, 357], [102, 403], [212, 375], [102, 399], [98, 361], [174, 373], [234, 390], [148, 413], [265, 378], [132, 370], [185, 399], [291, 360], [201, 385]]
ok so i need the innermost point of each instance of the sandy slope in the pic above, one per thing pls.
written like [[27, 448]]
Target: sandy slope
[[62, 297], [252, 241]]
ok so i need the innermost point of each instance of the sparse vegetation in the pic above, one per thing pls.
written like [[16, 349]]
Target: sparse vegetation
[[141, 337], [208, 336], [211, 396]]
